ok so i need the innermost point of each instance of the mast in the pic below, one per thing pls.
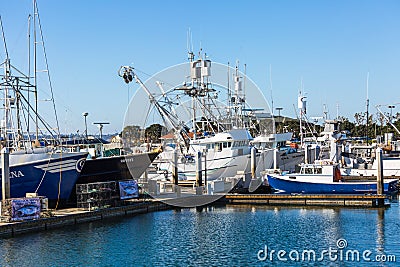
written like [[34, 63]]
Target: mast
[[272, 100], [366, 126], [229, 93], [29, 68], [239, 98], [195, 75], [7, 73], [243, 106], [302, 110], [35, 69]]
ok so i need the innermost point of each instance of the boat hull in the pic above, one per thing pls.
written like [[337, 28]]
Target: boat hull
[[52, 176], [116, 168], [286, 185]]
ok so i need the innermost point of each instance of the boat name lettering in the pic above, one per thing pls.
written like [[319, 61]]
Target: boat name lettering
[[16, 174], [127, 160]]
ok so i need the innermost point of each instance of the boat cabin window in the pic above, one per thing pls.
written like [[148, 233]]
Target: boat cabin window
[[218, 147], [308, 171], [311, 170]]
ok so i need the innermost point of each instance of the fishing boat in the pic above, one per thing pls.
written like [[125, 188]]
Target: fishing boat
[[36, 165], [287, 157], [360, 160], [215, 130], [105, 164], [225, 153], [324, 177]]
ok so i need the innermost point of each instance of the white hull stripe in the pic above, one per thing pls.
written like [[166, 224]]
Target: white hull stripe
[[57, 166], [56, 170], [51, 164], [63, 169]]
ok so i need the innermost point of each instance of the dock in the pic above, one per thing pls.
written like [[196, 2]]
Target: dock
[[66, 217], [73, 216], [308, 200]]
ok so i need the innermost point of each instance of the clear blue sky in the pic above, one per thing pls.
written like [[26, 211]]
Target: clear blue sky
[[329, 45]]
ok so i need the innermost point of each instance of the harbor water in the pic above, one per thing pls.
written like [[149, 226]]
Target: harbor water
[[245, 235]]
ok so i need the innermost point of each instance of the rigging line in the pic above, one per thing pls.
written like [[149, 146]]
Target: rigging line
[[45, 171], [4, 38], [26, 124], [45, 124], [48, 71], [210, 113], [150, 76]]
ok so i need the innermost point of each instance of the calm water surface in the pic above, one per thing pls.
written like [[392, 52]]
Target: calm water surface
[[218, 236]]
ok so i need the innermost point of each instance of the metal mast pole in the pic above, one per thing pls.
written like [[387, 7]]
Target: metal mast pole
[[35, 68]]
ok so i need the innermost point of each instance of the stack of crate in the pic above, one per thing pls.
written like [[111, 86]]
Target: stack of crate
[[99, 195]]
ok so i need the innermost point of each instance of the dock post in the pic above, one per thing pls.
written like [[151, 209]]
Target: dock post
[[275, 158], [199, 171], [253, 162], [205, 170], [175, 167], [5, 173], [379, 182], [307, 154]]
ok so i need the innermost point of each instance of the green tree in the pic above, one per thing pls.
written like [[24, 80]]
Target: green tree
[[154, 132], [131, 135]]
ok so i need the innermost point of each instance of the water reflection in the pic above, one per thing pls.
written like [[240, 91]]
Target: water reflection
[[380, 230], [230, 235]]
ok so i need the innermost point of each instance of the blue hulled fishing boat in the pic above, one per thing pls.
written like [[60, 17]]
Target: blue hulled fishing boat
[[29, 145], [323, 177]]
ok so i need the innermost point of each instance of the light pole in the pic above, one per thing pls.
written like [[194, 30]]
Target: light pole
[[85, 114], [391, 109]]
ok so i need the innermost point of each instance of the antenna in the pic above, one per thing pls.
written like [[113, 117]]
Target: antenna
[[272, 99], [189, 45], [325, 111], [229, 93], [244, 82], [270, 87], [337, 111]]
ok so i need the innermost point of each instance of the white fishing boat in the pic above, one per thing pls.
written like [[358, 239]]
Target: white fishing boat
[[223, 155], [222, 139], [287, 156], [360, 160]]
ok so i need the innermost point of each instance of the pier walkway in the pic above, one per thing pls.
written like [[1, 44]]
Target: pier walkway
[[64, 217]]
